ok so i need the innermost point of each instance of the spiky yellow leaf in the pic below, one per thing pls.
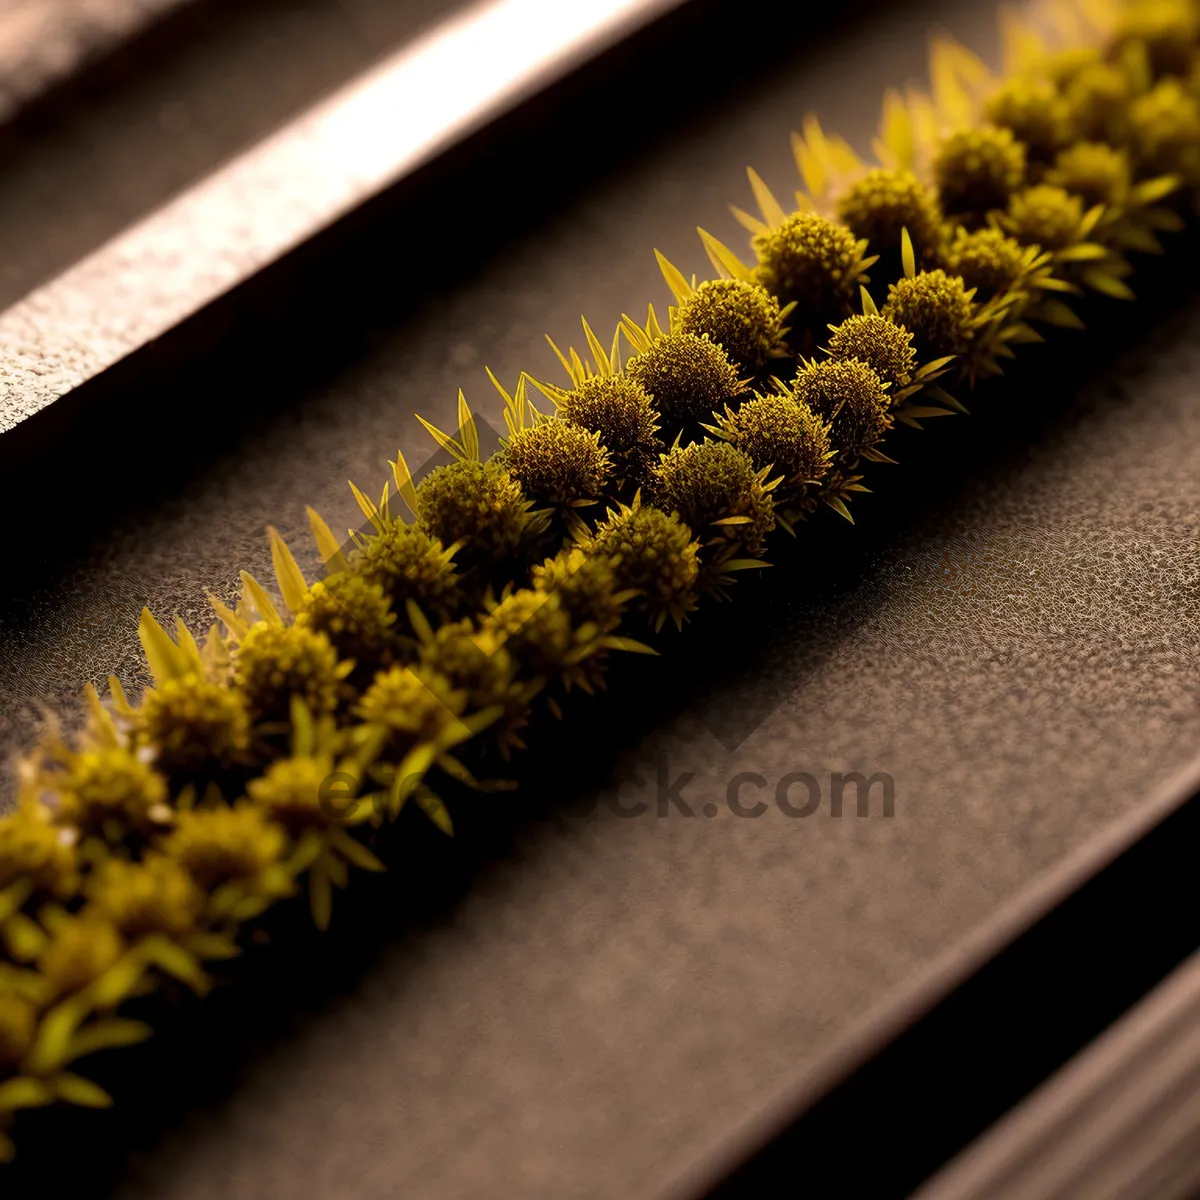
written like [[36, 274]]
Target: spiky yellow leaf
[[724, 259], [772, 210], [468, 434], [260, 599], [451, 445], [328, 546], [370, 509], [288, 575], [599, 357], [676, 281], [101, 725], [749, 222], [238, 628], [164, 658], [907, 256]]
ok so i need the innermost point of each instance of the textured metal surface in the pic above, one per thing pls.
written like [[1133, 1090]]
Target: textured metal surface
[[133, 290], [1120, 1122], [42, 41], [1011, 632], [186, 96]]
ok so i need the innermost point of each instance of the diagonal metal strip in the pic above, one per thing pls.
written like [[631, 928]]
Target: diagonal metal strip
[[1120, 1122], [467, 71]]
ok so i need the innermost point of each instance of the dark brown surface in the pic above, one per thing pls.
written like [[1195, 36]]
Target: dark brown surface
[[1120, 1122], [384, 126], [198, 89], [1013, 637], [44, 41]]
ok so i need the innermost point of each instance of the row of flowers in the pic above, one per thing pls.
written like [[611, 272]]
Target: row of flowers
[[674, 457]]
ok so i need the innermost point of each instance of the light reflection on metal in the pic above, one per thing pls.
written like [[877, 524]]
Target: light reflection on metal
[[387, 123], [44, 41]]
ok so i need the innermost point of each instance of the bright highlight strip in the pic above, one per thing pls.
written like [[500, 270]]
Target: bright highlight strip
[[400, 115]]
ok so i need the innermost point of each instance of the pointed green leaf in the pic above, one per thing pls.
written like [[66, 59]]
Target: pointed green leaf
[[432, 806], [74, 1089], [24, 1092], [840, 508], [107, 1034], [355, 852], [320, 895], [907, 255]]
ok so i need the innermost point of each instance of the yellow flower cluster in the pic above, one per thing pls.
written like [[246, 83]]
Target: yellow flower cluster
[[270, 750]]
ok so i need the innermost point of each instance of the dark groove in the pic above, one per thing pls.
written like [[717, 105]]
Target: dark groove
[[907, 1112]]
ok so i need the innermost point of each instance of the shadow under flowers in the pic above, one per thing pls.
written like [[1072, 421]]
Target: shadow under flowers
[[730, 668]]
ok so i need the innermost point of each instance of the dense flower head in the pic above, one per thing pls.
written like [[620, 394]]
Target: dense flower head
[[406, 562], [225, 842], [32, 847], [478, 504], [712, 481], [277, 663], [535, 629], [354, 613], [653, 553], [619, 411], [851, 397], [156, 895], [936, 309], [109, 781], [472, 660], [293, 790], [887, 348], [883, 203], [1035, 112], [411, 704], [783, 433], [558, 463], [988, 260], [18, 1024], [813, 261], [743, 318], [1097, 102], [978, 169], [79, 951], [687, 375], [193, 722], [1095, 171], [586, 586], [1166, 130], [1046, 215]]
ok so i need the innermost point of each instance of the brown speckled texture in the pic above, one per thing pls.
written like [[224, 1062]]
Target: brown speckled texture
[[1020, 654], [43, 40], [139, 127]]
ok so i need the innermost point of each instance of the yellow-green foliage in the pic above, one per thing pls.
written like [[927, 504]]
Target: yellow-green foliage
[[269, 751]]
